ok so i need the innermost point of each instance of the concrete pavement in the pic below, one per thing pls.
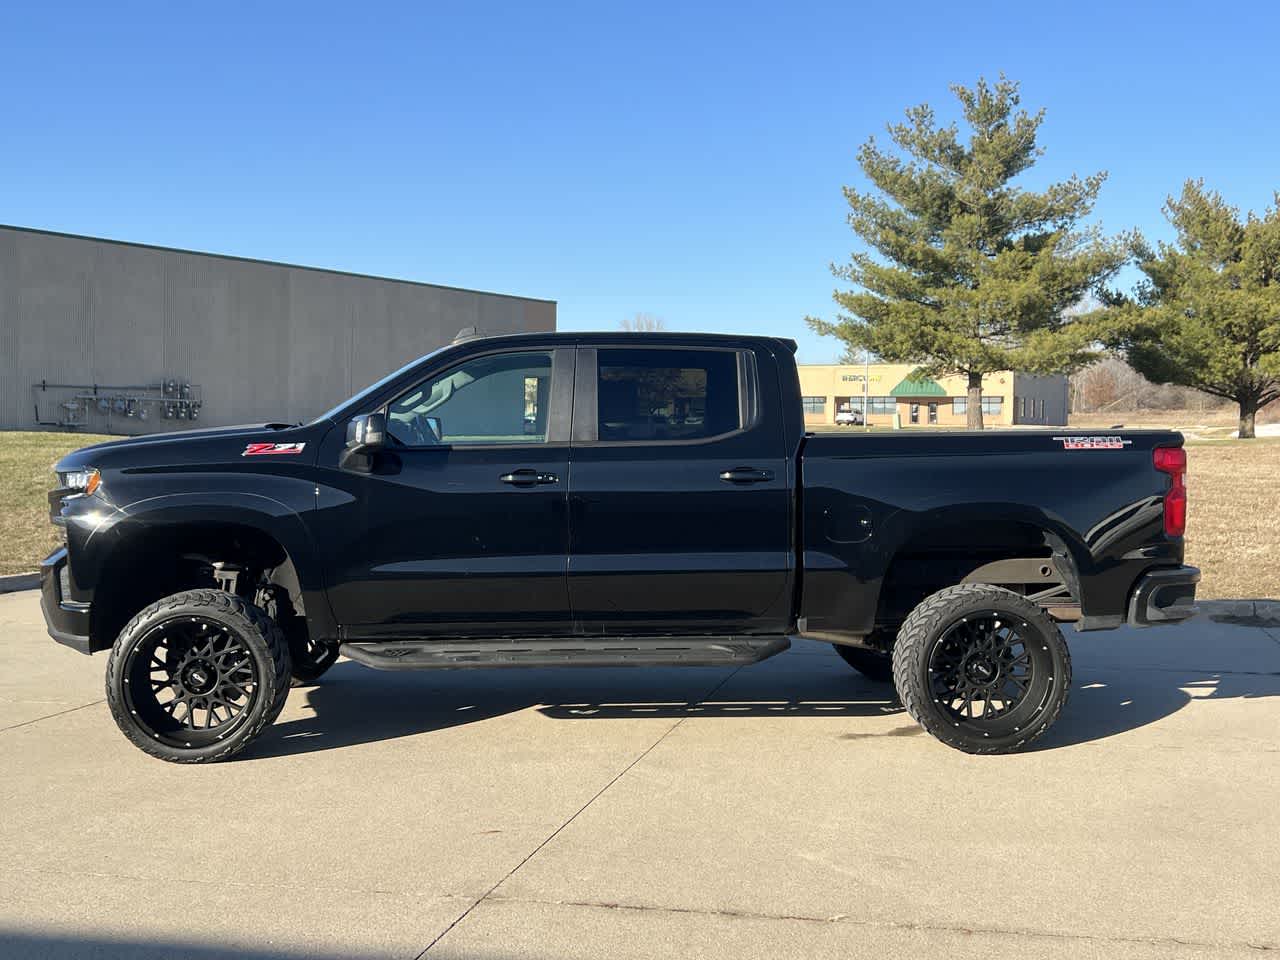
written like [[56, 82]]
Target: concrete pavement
[[784, 809]]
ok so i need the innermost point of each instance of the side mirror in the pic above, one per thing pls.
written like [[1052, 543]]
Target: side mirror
[[366, 435]]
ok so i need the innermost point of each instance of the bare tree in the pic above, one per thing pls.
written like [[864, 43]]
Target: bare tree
[[643, 323], [1111, 384]]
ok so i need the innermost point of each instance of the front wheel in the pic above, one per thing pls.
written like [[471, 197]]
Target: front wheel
[[981, 668], [195, 677]]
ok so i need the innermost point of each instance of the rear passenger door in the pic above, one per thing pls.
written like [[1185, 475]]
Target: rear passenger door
[[679, 499]]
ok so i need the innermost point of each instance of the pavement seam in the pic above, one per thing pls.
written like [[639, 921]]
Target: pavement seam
[[1081, 667], [891, 924], [556, 832], [60, 713]]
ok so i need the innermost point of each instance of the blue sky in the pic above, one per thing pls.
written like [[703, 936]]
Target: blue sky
[[683, 160]]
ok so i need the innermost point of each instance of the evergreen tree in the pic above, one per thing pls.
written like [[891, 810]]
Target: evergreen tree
[[1207, 314], [963, 272]]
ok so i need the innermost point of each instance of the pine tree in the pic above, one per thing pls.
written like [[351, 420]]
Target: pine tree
[[963, 272], [1208, 313]]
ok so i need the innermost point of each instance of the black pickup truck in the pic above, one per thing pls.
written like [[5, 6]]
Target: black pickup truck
[[604, 499]]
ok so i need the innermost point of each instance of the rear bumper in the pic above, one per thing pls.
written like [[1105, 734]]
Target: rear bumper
[[66, 620], [1164, 596]]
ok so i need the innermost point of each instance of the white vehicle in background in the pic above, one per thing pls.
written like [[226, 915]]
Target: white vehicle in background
[[848, 418]]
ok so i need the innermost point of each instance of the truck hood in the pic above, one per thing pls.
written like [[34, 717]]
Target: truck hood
[[160, 448]]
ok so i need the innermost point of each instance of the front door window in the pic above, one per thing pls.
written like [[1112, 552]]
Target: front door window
[[498, 399]]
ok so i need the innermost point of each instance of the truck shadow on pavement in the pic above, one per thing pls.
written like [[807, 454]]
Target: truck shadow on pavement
[[353, 705], [30, 945], [1121, 684]]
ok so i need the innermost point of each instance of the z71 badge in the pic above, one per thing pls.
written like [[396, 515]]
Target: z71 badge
[[271, 449], [1093, 443]]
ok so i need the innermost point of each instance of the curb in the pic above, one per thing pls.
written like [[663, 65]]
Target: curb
[[1254, 613], [19, 581]]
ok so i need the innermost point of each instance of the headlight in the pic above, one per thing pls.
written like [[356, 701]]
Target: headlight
[[85, 481]]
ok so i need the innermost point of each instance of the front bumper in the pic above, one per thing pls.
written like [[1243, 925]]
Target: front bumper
[[1164, 596], [66, 619]]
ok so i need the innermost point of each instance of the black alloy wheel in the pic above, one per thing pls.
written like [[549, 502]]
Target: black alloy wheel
[[190, 680], [989, 667]]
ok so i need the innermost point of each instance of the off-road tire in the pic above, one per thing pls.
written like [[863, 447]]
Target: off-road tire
[[929, 624], [255, 631], [875, 665]]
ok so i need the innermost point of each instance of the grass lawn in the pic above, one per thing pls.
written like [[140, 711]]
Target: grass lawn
[[1233, 530], [26, 477]]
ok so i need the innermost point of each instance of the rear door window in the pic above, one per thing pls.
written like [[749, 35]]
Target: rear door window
[[659, 395]]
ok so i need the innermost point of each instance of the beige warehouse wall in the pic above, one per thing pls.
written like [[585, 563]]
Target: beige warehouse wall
[[841, 380]]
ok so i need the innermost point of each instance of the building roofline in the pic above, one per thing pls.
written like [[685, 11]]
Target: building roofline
[[260, 262]]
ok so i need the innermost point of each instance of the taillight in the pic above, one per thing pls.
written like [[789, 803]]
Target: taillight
[[1173, 461]]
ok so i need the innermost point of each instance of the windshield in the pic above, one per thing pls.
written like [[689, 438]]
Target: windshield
[[373, 388]]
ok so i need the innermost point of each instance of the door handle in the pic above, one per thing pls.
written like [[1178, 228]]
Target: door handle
[[746, 475], [526, 477]]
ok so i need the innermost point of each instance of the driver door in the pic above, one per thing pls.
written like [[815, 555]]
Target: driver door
[[461, 527]]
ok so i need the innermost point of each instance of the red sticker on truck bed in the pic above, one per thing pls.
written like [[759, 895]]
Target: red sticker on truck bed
[[267, 449], [1093, 443]]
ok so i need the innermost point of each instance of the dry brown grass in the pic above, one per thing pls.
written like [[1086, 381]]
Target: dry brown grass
[[1233, 528], [1216, 424], [26, 477]]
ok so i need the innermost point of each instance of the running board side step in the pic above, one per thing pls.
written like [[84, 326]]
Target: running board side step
[[570, 652]]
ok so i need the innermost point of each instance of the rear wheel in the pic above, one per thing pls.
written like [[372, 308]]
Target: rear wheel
[[874, 662], [195, 677], [981, 668]]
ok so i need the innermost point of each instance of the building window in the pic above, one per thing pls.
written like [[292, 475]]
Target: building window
[[990, 405], [816, 405], [1040, 409], [933, 413], [1022, 407], [876, 405], [915, 413]]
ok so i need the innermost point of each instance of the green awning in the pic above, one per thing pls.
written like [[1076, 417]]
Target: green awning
[[916, 385]]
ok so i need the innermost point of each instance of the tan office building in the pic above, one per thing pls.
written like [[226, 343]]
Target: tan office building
[[897, 389]]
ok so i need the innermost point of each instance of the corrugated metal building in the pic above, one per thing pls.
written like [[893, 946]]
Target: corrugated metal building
[[127, 338]]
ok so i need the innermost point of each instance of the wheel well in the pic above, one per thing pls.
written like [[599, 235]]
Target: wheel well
[[156, 563], [1019, 556]]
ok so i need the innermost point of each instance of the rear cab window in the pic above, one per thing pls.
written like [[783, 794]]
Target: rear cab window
[[655, 395]]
